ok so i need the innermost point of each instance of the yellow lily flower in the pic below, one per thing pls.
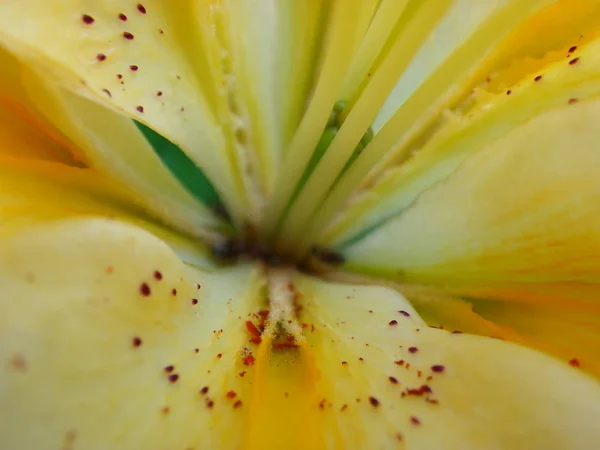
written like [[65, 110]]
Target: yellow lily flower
[[322, 224]]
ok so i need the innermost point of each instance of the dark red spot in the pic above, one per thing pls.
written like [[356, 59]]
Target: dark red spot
[[254, 333], [404, 313], [538, 78], [141, 8], [100, 56], [422, 390], [173, 377], [573, 61], [219, 355], [140, 108], [107, 92], [136, 342], [127, 35], [210, 404], [572, 49], [393, 380], [237, 404], [196, 350], [157, 275], [169, 369], [374, 402], [248, 360], [437, 368], [413, 349], [230, 394], [145, 289], [415, 420], [574, 362], [393, 323], [204, 390], [194, 301], [159, 94], [173, 291], [87, 19], [508, 92], [134, 68], [123, 17], [119, 76], [400, 362]]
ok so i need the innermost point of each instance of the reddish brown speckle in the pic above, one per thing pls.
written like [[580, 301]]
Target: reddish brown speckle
[[133, 68], [173, 292], [136, 341], [169, 369], [438, 368], [194, 301], [123, 17], [119, 76], [219, 355], [157, 275], [538, 78], [141, 8], [457, 332], [100, 56], [574, 362], [159, 94], [87, 19], [344, 408], [127, 35], [165, 410], [209, 404], [415, 420], [399, 437], [204, 390], [174, 377], [237, 404], [374, 402], [508, 92], [242, 373], [400, 362], [19, 363], [404, 313], [393, 323], [393, 380], [344, 363], [572, 49], [139, 108], [573, 61], [196, 350], [413, 349], [572, 101], [230, 394], [145, 289], [198, 286], [107, 92]]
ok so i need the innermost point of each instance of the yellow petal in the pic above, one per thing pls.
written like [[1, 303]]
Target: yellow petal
[[39, 191], [108, 341], [24, 133], [127, 57], [371, 374]]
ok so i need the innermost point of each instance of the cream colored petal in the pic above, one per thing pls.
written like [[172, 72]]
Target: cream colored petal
[[109, 341], [127, 57], [386, 380]]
